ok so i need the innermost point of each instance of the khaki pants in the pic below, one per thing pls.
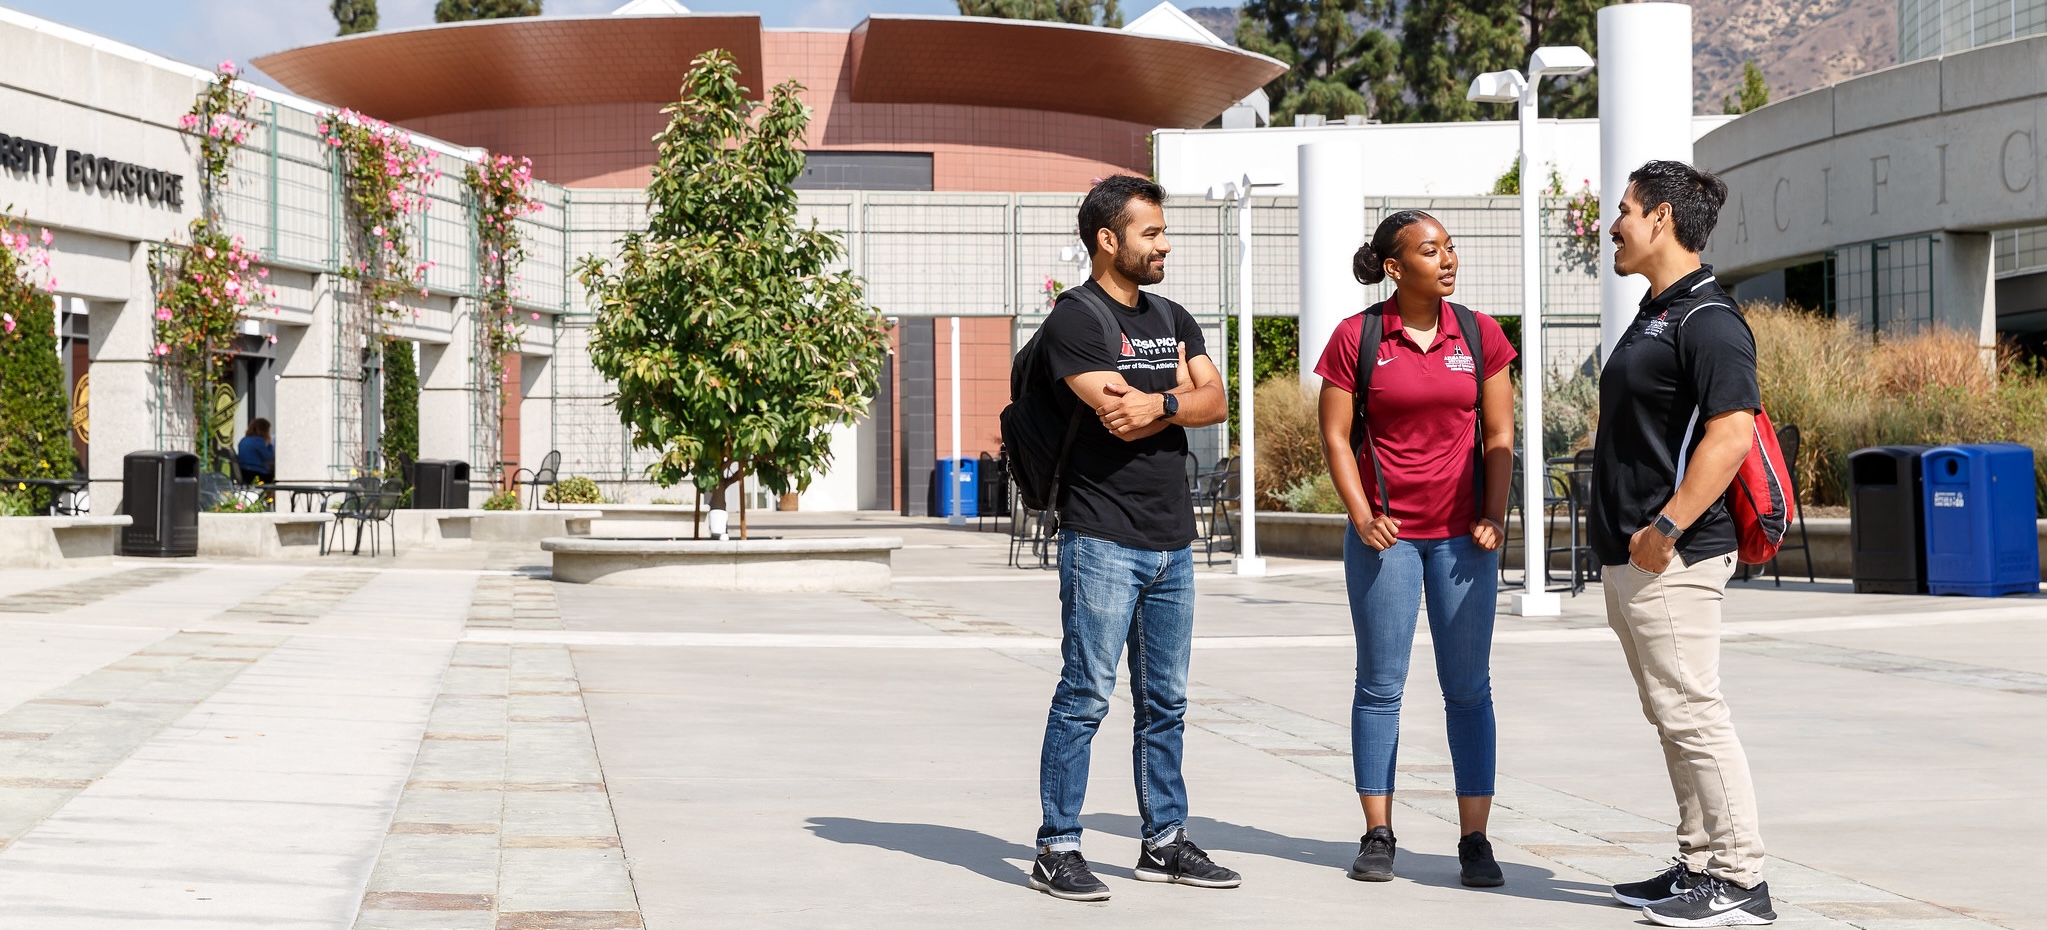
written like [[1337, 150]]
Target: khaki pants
[[1669, 626]]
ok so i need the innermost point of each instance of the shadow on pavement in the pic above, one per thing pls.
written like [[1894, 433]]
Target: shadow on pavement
[[976, 852], [1524, 881]]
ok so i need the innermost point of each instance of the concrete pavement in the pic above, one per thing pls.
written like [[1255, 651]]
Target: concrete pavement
[[449, 740]]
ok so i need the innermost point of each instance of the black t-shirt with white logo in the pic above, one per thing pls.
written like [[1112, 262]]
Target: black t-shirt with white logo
[[1134, 493], [1686, 359]]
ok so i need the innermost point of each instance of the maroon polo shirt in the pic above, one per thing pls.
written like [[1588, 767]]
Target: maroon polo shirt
[[1420, 417]]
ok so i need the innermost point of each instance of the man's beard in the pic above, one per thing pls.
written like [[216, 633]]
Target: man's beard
[[1137, 266]]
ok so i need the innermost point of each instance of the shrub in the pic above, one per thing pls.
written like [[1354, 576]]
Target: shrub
[[238, 503], [574, 489], [1315, 494], [502, 500], [1289, 440], [17, 504]]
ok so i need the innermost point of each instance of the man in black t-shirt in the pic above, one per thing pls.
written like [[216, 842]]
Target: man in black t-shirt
[[1677, 405], [1126, 573]]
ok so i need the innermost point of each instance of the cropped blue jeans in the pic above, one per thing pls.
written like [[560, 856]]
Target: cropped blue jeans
[[1461, 582]]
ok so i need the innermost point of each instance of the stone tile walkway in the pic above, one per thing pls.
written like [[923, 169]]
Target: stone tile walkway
[[448, 740]]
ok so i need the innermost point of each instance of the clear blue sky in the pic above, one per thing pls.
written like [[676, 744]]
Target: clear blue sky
[[203, 32]]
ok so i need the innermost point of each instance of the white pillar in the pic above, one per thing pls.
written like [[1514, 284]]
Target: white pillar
[[957, 516], [1247, 561], [1332, 226], [306, 424], [1534, 598], [447, 393], [1645, 113], [123, 406]]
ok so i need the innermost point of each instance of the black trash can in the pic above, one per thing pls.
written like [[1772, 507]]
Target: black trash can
[[440, 484], [160, 492], [1887, 520]]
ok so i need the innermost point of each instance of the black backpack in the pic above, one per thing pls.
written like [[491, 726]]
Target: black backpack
[[1369, 335], [1037, 450]]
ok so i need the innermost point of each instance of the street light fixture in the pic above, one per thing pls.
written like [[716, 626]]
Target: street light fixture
[[1535, 600], [1247, 561]]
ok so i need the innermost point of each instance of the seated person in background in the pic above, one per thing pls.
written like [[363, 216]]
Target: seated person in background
[[257, 454]]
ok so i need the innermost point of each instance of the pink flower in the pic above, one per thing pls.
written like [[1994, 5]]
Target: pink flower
[[46, 237], [377, 231], [226, 67], [273, 338], [163, 313], [7, 321], [262, 272], [536, 316], [162, 349]]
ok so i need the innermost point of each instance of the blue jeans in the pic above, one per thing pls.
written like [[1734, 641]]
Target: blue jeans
[[1461, 581], [1112, 596]]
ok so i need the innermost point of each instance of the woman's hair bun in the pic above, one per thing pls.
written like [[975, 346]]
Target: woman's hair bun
[[1367, 265]]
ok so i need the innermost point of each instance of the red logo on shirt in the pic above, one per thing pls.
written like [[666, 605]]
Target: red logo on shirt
[[1127, 351]]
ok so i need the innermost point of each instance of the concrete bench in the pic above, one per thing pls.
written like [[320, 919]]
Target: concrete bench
[[455, 529], [59, 542], [262, 535], [844, 563]]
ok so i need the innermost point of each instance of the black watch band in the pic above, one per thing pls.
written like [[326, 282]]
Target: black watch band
[[1172, 405]]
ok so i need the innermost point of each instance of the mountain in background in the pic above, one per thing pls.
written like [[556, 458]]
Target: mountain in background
[[1799, 44]]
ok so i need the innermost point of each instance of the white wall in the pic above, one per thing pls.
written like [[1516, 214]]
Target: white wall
[[1439, 159]]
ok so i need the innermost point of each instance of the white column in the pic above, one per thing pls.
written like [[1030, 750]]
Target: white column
[[536, 409], [1645, 113], [957, 518], [1965, 285], [1534, 599], [122, 407], [1247, 561], [1332, 226], [306, 421]]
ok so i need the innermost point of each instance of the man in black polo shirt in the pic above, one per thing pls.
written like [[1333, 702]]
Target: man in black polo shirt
[[1126, 574], [1677, 406]]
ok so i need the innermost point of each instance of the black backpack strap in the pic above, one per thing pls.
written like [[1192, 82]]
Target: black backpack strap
[[1371, 331], [1111, 331], [1474, 341]]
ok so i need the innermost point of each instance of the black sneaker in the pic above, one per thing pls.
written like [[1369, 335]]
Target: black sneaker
[[1183, 862], [1715, 903], [1475, 863], [1674, 881], [1066, 875], [1375, 856]]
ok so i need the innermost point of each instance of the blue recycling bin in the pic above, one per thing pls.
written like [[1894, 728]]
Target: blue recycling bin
[[1981, 538], [968, 473]]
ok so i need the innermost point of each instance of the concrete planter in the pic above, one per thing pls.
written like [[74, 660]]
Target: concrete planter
[[262, 535], [1320, 536], [846, 563], [59, 542], [456, 529]]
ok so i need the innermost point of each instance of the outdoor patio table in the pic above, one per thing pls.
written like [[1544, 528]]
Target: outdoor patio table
[[310, 493], [55, 488]]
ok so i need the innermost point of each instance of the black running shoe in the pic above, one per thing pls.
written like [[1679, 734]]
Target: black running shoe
[[1715, 903], [1375, 856], [1475, 863], [1674, 881], [1066, 875], [1183, 862]]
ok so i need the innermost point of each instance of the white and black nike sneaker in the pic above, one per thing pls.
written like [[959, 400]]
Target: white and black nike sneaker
[[1674, 881], [1065, 874], [1715, 903], [1183, 863]]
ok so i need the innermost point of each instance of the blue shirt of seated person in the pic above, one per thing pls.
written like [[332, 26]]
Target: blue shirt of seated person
[[256, 454]]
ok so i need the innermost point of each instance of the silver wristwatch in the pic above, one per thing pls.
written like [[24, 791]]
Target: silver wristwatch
[[1668, 527]]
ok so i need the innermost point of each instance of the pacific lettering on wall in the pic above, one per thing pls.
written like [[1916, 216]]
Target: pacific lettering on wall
[[83, 169]]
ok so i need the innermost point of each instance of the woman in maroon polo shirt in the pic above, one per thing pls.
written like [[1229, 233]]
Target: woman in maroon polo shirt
[[1418, 525]]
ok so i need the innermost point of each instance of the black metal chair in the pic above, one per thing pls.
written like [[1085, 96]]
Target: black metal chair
[[1203, 488], [1224, 501], [368, 503], [991, 490], [542, 477], [1788, 439]]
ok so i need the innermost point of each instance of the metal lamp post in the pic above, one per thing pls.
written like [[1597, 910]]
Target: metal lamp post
[[1534, 600], [1247, 561]]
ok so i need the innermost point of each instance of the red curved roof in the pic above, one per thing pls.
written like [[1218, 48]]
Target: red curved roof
[[1051, 66], [558, 61], [524, 62]]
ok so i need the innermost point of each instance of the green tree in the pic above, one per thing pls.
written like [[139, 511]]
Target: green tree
[[401, 403], [1078, 12], [35, 428], [733, 344], [1755, 92], [462, 11], [1332, 49], [355, 16], [1446, 43]]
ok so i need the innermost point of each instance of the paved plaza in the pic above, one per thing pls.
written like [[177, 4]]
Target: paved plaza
[[449, 740]]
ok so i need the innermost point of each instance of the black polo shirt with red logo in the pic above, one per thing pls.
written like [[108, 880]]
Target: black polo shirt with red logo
[[1687, 358]]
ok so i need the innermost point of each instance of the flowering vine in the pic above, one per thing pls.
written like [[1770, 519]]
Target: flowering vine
[[35, 433], [385, 178], [502, 188], [1581, 220], [206, 288]]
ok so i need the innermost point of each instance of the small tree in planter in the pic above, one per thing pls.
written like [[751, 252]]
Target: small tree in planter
[[733, 345]]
